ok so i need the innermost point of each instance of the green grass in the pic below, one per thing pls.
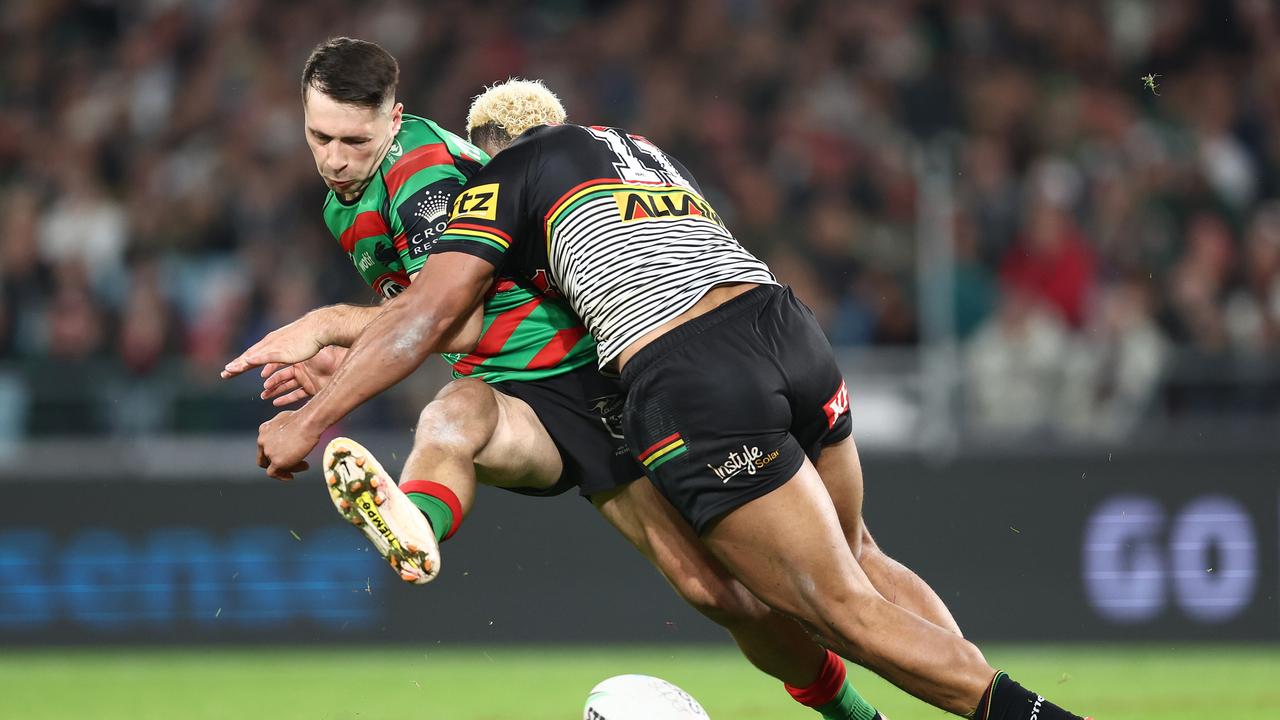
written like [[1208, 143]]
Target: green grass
[[551, 684]]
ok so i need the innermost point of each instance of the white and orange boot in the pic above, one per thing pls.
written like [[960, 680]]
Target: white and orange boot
[[369, 499]]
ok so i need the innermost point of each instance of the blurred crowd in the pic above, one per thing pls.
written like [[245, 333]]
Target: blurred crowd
[[160, 209]]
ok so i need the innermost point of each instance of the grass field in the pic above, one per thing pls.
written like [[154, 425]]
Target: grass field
[[1158, 683]]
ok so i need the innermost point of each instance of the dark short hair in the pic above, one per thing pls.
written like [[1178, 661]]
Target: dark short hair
[[490, 133], [351, 71]]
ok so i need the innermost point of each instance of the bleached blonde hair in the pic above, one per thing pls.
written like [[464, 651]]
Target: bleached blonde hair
[[513, 107]]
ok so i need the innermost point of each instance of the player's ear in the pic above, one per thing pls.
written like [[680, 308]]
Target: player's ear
[[397, 114]]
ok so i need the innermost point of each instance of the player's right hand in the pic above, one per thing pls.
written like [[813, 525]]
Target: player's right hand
[[284, 384], [293, 343]]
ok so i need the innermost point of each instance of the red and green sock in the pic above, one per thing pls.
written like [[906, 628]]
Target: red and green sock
[[832, 695], [438, 503]]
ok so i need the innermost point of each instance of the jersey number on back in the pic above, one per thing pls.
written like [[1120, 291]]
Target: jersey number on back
[[658, 171]]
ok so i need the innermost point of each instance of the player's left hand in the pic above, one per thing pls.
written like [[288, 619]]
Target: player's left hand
[[293, 343], [283, 442]]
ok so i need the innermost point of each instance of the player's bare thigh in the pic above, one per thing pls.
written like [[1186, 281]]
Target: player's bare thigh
[[500, 434]]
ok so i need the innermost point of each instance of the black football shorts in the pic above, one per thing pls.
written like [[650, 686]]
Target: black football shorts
[[582, 412], [724, 408]]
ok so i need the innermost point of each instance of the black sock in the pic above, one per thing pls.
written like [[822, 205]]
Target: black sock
[[1007, 700]]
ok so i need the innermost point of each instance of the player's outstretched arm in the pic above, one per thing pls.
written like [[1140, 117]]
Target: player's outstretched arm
[[422, 320], [333, 326], [304, 337]]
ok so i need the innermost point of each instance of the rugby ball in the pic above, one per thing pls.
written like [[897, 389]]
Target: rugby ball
[[640, 697]]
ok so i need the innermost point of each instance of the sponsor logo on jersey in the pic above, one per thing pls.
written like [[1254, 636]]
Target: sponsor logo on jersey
[[752, 459], [480, 201], [432, 205], [365, 262], [421, 242], [432, 213], [837, 405], [653, 205]]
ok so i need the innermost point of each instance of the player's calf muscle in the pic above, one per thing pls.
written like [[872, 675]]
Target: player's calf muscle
[[950, 675], [902, 587], [702, 582]]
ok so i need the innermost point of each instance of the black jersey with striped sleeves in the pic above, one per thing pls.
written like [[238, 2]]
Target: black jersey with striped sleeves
[[605, 218]]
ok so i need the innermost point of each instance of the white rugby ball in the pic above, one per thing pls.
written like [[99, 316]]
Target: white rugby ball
[[640, 697]]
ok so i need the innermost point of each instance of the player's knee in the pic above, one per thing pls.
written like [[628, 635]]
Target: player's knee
[[455, 421], [463, 391], [723, 601]]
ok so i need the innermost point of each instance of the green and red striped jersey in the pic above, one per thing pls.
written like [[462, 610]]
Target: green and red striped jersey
[[529, 332]]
